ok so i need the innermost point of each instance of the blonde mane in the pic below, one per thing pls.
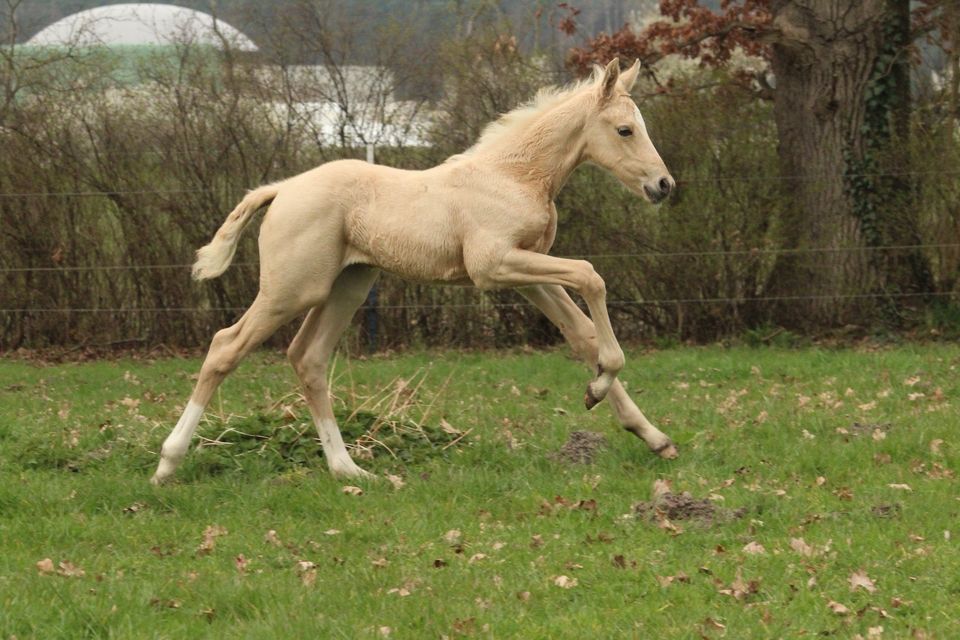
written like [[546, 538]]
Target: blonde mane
[[508, 125]]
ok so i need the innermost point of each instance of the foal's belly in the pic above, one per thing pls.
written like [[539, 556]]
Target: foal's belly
[[424, 248]]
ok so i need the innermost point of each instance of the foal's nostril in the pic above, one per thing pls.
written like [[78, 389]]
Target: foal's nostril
[[665, 185]]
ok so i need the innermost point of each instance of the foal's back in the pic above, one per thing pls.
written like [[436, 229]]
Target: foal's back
[[411, 223]]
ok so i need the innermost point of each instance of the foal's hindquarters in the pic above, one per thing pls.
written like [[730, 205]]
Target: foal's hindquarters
[[301, 269]]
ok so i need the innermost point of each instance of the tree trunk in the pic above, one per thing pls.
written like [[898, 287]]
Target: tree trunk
[[823, 59]]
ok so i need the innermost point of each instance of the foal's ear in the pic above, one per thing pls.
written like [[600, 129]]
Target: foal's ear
[[629, 77], [608, 83]]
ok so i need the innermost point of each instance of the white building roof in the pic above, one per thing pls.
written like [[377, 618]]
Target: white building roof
[[141, 24]]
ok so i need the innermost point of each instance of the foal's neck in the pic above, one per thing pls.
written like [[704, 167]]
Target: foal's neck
[[548, 151]]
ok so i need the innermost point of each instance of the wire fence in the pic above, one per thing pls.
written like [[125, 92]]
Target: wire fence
[[512, 305], [586, 256], [680, 178]]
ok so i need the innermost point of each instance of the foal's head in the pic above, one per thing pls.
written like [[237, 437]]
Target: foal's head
[[616, 136]]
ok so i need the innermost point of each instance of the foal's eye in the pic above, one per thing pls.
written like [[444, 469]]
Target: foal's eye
[[625, 131]]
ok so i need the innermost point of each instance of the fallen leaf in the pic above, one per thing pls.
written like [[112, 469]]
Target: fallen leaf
[[523, 596], [331, 532], [210, 535], [739, 589], [241, 563], [307, 572], [900, 486], [660, 488], [477, 557], [859, 579], [935, 445], [664, 523], [565, 582], [380, 563], [454, 536], [270, 537], [350, 490], [754, 548], [385, 631], [712, 625], [666, 581], [838, 608], [800, 546], [396, 481], [69, 570], [45, 566]]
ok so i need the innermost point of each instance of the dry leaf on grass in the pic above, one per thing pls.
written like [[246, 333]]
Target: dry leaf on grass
[[740, 589], [565, 582], [210, 535], [350, 490], [396, 481], [754, 548], [838, 608], [308, 572], [454, 536], [860, 579], [45, 566], [270, 537], [800, 546], [69, 570], [666, 581], [900, 486]]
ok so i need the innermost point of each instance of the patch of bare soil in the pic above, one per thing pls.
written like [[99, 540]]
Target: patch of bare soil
[[683, 506], [581, 447]]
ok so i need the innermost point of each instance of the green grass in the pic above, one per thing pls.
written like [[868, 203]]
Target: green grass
[[807, 441]]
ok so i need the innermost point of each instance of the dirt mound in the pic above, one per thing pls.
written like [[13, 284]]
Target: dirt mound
[[581, 447], [683, 506]]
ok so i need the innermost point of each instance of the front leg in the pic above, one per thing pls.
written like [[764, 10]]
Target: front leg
[[581, 334], [519, 268]]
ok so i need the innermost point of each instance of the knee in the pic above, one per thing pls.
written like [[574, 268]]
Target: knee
[[591, 282]]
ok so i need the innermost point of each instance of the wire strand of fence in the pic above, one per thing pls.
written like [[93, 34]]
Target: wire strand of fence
[[584, 256], [500, 305], [87, 194], [681, 179]]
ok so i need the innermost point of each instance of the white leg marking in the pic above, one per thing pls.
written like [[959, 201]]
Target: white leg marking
[[335, 451], [177, 443]]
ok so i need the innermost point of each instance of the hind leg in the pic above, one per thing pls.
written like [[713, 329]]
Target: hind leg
[[228, 347], [310, 352]]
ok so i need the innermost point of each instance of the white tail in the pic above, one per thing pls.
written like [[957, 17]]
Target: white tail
[[214, 258]]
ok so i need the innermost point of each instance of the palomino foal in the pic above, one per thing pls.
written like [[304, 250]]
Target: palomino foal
[[484, 218]]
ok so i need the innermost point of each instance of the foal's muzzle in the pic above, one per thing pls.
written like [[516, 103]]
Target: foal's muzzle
[[660, 189]]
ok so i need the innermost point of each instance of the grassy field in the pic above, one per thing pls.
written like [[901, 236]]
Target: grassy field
[[822, 499]]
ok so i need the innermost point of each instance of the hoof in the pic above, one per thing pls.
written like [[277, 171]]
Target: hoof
[[156, 480], [351, 472], [667, 451], [590, 400]]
